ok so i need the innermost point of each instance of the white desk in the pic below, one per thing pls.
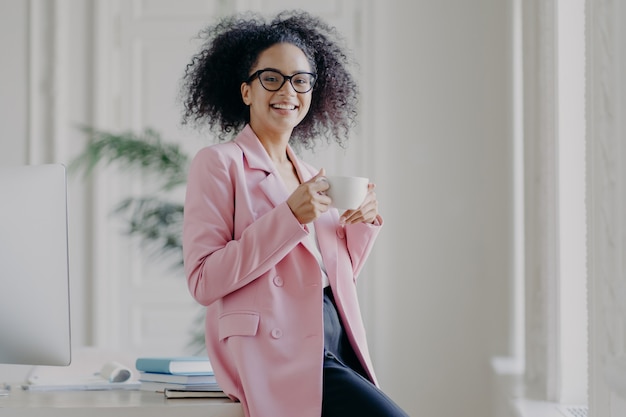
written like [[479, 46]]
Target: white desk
[[112, 403]]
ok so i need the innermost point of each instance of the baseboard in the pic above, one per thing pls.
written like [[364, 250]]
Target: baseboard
[[508, 392]]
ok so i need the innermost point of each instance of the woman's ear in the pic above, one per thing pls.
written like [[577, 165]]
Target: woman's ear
[[245, 93]]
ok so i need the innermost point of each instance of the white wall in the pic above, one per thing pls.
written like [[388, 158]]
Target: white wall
[[13, 81], [445, 186], [443, 169]]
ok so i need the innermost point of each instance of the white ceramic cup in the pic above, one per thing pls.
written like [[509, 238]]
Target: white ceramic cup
[[347, 192]]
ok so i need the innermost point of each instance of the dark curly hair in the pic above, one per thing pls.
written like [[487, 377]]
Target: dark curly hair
[[211, 88]]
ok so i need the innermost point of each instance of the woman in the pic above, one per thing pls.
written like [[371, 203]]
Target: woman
[[273, 263]]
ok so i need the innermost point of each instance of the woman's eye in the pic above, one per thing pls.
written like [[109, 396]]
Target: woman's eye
[[270, 79]]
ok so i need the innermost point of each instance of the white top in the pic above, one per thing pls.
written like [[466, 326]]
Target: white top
[[318, 254]]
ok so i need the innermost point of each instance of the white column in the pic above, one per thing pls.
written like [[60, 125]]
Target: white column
[[606, 188], [541, 191], [554, 136], [572, 299], [41, 75]]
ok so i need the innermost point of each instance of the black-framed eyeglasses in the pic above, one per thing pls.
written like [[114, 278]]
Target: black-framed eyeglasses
[[273, 80]]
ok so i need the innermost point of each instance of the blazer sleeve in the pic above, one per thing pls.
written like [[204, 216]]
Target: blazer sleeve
[[360, 239], [216, 263]]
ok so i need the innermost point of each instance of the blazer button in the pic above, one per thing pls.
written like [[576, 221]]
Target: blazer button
[[277, 333], [278, 281], [341, 233]]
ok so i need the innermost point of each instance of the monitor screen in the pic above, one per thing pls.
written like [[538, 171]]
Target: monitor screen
[[34, 268]]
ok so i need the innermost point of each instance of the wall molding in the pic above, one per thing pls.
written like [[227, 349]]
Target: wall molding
[[42, 68], [541, 198], [606, 190]]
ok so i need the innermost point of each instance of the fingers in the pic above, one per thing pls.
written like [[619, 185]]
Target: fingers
[[319, 182], [366, 213], [309, 201]]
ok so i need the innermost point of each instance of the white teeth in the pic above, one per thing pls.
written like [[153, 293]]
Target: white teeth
[[284, 106]]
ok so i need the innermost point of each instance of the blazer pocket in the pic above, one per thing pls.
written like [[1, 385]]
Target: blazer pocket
[[238, 323]]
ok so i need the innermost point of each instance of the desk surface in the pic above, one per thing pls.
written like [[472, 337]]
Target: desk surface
[[21, 403]]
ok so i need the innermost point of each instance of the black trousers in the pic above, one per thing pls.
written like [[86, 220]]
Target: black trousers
[[347, 391]]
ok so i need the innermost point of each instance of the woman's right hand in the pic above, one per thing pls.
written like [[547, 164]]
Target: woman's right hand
[[309, 200]]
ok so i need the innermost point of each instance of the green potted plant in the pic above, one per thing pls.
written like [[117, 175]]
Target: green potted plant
[[154, 219]]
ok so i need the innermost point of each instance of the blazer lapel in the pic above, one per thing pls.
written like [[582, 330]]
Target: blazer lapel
[[325, 225], [274, 188], [257, 158], [327, 239], [304, 175]]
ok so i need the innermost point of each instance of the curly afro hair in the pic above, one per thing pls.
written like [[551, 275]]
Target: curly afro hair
[[211, 87]]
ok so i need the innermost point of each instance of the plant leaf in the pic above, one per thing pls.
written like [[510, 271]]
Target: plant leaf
[[146, 152], [157, 223]]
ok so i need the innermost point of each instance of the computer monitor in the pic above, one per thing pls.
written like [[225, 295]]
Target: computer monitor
[[34, 266]]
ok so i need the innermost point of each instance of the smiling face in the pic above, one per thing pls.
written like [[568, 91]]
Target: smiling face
[[277, 112]]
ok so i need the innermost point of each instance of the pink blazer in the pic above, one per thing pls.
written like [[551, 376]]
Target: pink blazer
[[249, 261]]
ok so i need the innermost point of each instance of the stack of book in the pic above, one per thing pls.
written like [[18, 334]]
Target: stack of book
[[178, 377]]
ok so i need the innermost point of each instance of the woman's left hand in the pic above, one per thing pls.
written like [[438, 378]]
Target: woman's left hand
[[367, 211]]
